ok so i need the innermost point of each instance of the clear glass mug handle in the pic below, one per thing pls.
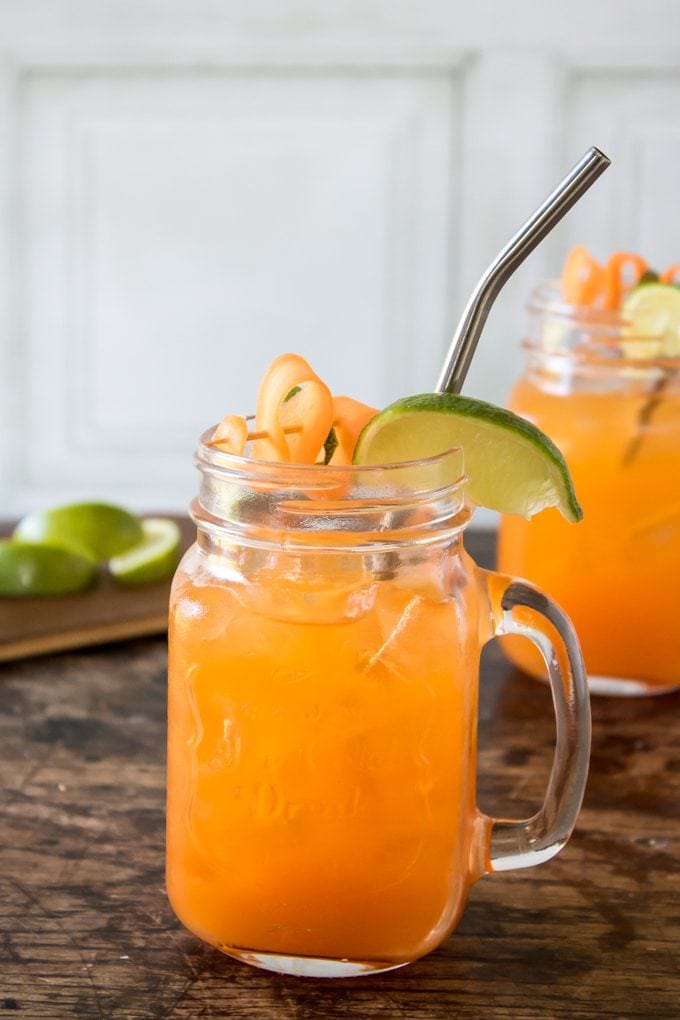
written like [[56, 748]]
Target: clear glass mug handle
[[519, 608]]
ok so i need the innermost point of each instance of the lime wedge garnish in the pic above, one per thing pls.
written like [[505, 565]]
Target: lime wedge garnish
[[510, 465], [31, 568], [153, 559], [97, 530], [652, 321]]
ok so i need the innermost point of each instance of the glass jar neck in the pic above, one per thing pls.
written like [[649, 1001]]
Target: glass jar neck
[[591, 350], [324, 508]]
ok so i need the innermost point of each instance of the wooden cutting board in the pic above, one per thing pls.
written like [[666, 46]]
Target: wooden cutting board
[[103, 613]]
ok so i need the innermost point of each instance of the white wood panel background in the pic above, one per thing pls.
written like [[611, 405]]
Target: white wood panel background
[[189, 187]]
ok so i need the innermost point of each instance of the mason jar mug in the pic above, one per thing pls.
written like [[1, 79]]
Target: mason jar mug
[[324, 654], [612, 405]]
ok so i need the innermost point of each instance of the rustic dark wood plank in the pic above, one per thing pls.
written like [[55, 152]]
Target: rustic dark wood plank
[[86, 931]]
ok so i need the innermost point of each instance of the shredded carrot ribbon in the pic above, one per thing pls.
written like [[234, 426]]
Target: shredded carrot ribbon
[[295, 428], [294, 416], [582, 277], [669, 275], [349, 418], [614, 277], [586, 283], [231, 435]]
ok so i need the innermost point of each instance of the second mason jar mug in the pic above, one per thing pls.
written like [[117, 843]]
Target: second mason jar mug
[[324, 655], [613, 408]]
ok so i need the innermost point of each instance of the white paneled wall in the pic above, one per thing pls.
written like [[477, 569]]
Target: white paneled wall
[[188, 188]]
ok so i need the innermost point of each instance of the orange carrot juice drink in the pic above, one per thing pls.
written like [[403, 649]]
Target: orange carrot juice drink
[[324, 646], [603, 380]]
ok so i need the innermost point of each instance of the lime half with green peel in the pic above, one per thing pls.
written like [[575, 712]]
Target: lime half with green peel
[[652, 321], [153, 559], [96, 530], [510, 465], [32, 568]]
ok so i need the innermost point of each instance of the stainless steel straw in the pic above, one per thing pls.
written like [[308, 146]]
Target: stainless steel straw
[[470, 327]]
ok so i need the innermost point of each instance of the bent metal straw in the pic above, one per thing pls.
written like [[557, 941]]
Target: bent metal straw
[[540, 223]]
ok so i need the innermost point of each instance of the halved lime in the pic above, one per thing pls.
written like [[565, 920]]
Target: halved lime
[[96, 530], [32, 568], [510, 464], [652, 321], [153, 559]]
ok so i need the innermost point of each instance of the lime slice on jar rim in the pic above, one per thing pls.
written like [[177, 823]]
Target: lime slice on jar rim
[[510, 465], [38, 569], [651, 314], [94, 530], [153, 559]]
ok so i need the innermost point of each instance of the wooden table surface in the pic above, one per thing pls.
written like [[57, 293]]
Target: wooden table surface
[[86, 930]]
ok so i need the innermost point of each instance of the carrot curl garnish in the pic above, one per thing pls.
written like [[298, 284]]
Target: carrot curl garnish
[[349, 418], [297, 420], [294, 412], [582, 278], [670, 275], [231, 435], [585, 283], [615, 283]]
